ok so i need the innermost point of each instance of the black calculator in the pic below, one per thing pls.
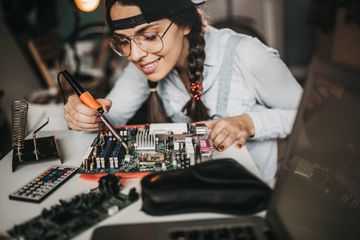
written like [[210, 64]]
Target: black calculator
[[44, 184]]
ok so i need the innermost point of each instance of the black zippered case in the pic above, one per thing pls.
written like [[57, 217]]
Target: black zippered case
[[221, 185]]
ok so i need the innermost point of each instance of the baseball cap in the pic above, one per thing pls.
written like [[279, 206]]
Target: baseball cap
[[152, 10]]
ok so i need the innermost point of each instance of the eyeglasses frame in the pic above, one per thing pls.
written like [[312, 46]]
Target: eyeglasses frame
[[132, 37]]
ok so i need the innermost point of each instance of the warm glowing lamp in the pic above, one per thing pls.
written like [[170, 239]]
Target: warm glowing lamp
[[87, 5]]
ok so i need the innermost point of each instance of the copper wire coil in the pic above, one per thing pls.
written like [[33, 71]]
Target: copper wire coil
[[19, 110]]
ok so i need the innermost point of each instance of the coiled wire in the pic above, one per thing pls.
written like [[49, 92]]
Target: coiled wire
[[19, 110]]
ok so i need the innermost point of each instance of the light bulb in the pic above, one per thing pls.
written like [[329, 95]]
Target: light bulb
[[87, 5]]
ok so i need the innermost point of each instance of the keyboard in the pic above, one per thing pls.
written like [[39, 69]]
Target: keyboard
[[233, 233], [239, 228]]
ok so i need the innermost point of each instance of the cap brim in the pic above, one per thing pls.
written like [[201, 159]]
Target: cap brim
[[198, 2]]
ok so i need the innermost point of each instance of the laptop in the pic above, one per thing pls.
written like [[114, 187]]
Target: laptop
[[317, 193]]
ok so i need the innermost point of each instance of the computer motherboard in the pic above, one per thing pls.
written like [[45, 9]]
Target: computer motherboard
[[71, 217], [148, 148]]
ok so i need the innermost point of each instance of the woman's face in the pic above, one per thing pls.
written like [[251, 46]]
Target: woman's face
[[154, 65]]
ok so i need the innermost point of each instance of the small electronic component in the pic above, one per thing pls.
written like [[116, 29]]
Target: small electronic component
[[153, 147], [200, 129], [206, 149], [44, 184]]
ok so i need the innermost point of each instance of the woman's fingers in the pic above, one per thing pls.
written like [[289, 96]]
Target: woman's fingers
[[216, 126], [228, 131], [75, 105], [227, 142], [81, 117], [225, 137], [105, 103], [78, 125], [240, 142], [219, 139]]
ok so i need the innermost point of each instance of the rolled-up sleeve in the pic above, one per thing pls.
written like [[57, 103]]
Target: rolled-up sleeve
[[277, 92], [127, 95]]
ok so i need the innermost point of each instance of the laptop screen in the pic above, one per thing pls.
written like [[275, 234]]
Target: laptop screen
[[317, 195]]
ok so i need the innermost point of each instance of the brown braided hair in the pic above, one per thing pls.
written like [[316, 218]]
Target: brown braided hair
[[154, 107], [194, 108]]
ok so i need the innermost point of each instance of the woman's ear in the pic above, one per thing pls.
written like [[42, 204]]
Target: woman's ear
[[186, 30]]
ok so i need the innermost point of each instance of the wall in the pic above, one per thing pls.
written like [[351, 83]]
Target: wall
[[299, 36], [16, 77], [266, 14], [66, 17]]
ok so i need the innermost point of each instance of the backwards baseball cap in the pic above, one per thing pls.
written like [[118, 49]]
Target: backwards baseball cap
[[151, 10]]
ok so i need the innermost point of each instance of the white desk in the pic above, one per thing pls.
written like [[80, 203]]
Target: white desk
[[72, 145]]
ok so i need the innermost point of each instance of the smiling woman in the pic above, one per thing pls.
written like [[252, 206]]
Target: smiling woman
[[189, 72]]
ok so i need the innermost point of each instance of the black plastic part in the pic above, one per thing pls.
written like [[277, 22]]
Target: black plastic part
[[133, 195], [74, 83], [110, 184], [46, 150]]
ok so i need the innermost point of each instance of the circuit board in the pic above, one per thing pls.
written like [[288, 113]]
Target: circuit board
[[71, 217], [148, 148]]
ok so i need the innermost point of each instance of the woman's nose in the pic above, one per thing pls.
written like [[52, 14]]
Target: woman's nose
[[136, 52]]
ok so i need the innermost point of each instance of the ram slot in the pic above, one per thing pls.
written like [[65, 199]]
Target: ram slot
[[102, 145], [90, 150], [104, 155], [114, 158]]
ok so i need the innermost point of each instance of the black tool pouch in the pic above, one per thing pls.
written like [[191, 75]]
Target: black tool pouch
[[221, 185]]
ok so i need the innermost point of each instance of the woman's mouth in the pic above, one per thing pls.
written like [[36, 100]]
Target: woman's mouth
[[150, 67]]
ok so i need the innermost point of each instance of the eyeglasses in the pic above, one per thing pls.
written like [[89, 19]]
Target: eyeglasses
[[148, 41]]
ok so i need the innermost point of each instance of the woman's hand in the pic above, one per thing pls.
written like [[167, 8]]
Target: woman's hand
[[227, 131], [80, 117]]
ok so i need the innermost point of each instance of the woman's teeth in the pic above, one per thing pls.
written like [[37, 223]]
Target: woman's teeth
[[150, 65], [150, 68]]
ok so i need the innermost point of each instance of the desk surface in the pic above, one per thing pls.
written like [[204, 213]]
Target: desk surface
[[72, 145]]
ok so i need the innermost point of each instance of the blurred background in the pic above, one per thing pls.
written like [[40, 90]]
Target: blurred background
[[41, 37]]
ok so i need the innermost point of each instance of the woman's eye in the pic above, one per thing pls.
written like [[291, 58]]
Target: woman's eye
[[122, 41], [149, 36]]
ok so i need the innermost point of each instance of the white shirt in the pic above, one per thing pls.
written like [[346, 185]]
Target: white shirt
[[251, 78]]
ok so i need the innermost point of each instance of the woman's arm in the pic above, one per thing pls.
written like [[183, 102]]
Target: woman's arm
[[275, 89], [127, 95], [277, 95]]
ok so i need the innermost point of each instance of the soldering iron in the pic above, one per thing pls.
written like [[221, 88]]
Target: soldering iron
[[87, 99]]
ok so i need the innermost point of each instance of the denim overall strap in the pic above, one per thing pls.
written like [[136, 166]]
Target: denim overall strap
[[225, 76]]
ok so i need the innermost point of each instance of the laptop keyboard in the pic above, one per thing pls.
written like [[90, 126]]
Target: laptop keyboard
[[234, 233]]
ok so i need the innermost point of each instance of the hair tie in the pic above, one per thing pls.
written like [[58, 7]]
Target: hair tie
[[153, 90], [196, 90]]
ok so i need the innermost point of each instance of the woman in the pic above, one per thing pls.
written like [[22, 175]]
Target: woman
[[191, 72]]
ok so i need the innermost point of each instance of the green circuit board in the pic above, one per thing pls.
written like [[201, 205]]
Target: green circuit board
[[147, 149]]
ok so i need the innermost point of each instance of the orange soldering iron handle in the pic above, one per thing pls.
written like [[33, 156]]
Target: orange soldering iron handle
[[89, 101]]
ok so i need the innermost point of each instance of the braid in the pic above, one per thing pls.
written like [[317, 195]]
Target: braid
[[194, 108], [155, 109]]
